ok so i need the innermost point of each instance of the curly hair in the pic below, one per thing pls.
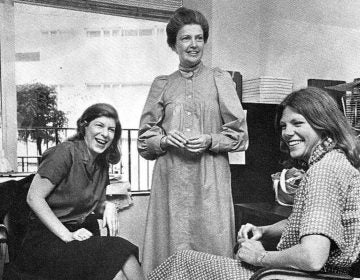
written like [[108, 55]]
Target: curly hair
[[112, 154], [184, 16]]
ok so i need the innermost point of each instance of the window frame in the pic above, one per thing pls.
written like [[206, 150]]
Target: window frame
[[8, 101]]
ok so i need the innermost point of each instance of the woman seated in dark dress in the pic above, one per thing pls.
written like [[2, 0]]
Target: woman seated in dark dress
[[322, 233], [63, 240]]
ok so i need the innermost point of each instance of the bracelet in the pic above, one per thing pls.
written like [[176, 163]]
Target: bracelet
[[261, 258], [163, 143]]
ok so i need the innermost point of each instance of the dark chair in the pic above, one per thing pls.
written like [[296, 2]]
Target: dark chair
[[4, 258], [14, 219], [14, 214]]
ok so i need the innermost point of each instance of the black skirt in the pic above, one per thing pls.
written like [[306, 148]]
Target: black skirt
[[97, 258]]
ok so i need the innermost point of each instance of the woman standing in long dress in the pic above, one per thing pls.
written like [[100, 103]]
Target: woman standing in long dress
[[191, 120]]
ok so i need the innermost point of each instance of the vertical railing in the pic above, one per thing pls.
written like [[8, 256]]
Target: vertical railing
[[132, 167], [129, 153]]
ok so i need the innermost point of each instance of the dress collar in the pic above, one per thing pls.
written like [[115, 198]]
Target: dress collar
[[84, 152], [90, 166], [189, 72], [321, 150]]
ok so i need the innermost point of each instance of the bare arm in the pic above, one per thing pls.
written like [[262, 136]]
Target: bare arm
[[274, 230], [110, 218], [269, 231], [40, 188], [311, 254]]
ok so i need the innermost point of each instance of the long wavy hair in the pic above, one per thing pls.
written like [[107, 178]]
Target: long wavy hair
[[181, 17], [112, 153], [324, 116]]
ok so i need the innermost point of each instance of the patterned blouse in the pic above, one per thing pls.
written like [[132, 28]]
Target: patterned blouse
[[328, 203]]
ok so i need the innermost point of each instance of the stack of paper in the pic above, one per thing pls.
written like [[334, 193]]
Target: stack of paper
[[266, 90], [119, 193]]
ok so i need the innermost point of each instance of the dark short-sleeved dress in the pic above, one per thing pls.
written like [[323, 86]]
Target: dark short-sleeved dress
[[191, 204], [326, 203], [79, 190]]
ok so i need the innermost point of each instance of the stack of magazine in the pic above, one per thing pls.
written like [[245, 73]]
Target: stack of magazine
[[268, 90]]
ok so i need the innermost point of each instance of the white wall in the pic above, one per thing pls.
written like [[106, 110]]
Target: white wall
[[311, 39], [236, 26], [285, 38], [132, 221]]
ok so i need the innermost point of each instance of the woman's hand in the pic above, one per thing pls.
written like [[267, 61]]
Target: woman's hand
[[250, 251], [198, 144], [173, 138], [80, 235], [110, 218], [39, 190], [244, 231]]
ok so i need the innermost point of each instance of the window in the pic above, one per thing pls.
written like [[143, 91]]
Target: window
[[115, 32], [106, 33], [93, 33], [146, 32], [129, 32], [95, 58], [29, 56]]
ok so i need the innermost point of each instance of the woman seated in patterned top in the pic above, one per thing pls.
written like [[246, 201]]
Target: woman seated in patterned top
[[323, 231]]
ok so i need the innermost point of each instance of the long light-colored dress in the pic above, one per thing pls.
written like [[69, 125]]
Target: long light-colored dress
[[327, 203], [191, 203]]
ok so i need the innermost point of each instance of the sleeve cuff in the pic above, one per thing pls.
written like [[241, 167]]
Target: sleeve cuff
[[215, 143], [154, 144]]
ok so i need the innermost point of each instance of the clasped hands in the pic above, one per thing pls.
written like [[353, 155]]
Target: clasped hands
[[197, 144], [250, 249]]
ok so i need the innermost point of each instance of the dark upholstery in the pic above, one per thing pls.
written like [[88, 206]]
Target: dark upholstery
[[7, 195], [13, 205], [13, 202]]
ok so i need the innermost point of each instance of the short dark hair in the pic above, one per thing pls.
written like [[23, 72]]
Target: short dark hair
[[184, 16], [112, 154], [324, 116]]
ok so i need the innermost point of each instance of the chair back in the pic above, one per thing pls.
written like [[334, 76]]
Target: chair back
[[14, 211], [355, 269], [13, 206], [18, 216]]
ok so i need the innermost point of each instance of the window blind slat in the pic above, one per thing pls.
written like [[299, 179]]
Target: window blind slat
[[150, 9], [167, 5]]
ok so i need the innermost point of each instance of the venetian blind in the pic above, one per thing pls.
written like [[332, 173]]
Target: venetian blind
[[145, 9]]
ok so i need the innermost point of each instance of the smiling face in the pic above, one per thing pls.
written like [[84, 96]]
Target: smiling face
[[298, 134], [190, 45], [99, 135]]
